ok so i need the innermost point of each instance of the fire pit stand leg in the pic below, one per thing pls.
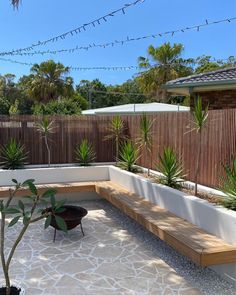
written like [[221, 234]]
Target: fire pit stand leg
[[55, 233], [82, 228]]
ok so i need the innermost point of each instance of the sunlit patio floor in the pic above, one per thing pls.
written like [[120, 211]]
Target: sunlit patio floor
[[116, 256]]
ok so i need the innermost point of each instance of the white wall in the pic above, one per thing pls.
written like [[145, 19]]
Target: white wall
[[213, 219], [55, 175]]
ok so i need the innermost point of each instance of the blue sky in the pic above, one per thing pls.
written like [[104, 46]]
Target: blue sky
[[38, 20]]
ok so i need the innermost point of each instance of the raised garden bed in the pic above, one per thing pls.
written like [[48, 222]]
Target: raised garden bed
[[212, 218]]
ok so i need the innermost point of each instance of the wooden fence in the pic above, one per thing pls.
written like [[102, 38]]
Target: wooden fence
[[169, 129]]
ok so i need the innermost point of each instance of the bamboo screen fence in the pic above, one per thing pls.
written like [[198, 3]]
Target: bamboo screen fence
[[169, 129]]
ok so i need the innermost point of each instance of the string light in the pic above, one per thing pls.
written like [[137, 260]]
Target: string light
[[118, 68], [115, 42], [103, 68], [77, 30]]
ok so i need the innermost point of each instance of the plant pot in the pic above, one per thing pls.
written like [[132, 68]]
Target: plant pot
[[15, 290]]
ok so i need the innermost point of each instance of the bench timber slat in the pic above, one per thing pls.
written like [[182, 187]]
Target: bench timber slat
[[202, 248], [59, 187]]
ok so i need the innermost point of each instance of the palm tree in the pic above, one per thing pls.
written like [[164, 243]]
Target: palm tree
[[45, 127], [15, 3], [116, 132], [199, 121], [163, 64], [145, 139], [48, 81]]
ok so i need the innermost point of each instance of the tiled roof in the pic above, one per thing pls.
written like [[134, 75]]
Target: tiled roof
[[224, 75]]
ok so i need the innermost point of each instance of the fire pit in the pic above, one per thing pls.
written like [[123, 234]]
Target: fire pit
[[72, 216]]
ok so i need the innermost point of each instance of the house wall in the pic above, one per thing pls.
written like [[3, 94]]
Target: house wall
[[224, 99]]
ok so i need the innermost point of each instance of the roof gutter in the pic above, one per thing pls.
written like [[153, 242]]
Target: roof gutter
[[199, 84]]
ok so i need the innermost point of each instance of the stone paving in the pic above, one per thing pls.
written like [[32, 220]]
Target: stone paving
[[116, 256]]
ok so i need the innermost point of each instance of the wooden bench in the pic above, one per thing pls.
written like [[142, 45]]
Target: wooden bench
[[202, 248], [73, 187]]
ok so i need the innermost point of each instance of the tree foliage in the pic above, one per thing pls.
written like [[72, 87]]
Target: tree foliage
[[116, 132], [45, 128], [15, 3], [49, 89], [199, 122], [145, 139], [49, 81], [163, 64], [57, 107]]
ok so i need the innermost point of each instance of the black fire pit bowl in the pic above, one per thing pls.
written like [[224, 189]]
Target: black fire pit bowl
[[72, 216]]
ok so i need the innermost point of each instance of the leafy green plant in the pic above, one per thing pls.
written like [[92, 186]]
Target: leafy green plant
[[228, 186], [129, 155], [13, 155], [145, 140], [199, 121], [116, 132], [46, 127], [171, 168], [25, 210], [63, 106], [84, 153]]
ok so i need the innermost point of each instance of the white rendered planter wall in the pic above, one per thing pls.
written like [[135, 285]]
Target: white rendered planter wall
[[213, 219], [55, 175]]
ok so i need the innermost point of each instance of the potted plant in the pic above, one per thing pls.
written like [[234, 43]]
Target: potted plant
[[26, 210]]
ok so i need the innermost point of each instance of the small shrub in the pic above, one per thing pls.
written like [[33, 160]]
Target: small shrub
[[85, 153], [128, 156], [4, 106], [13, 155], [171, 168], [228, 186]]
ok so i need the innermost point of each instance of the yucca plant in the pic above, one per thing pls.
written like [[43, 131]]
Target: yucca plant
[[129, 155], [199, 121], [171, 168], [45, 128], [84, 153], [228, 186], [146, 136], [13, 155], [116, 132]]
